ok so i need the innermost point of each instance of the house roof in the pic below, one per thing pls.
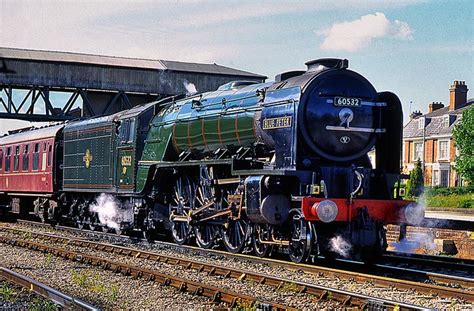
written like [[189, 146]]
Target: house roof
[[433, 123]]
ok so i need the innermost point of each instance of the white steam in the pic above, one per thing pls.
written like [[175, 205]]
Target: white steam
[[190, 88], [109, 211], [417, 240], [340, 246]]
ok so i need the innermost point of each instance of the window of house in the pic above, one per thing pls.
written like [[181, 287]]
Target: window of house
[[445, 121], [421, 123], [444, 182], [1, 159], [8, 159], [26, 157], [443, 150], [36, 157], [16, 159], [418, 151], [435, 178], [50, 154]]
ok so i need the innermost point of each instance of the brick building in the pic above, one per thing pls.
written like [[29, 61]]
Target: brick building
[[429, 137]]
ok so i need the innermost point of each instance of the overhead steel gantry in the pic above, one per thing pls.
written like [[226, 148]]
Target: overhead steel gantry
[[57, 86]]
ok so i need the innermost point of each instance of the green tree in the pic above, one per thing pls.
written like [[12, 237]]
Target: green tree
[[415, 184], [464, 136]]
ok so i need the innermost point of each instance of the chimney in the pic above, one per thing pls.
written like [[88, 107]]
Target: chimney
[[434, 106], [415, 114], [457, 95]]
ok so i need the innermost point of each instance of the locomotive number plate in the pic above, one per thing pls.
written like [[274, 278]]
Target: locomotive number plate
[[347, 101]]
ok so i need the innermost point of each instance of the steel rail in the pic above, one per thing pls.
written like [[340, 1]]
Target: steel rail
[[346, 298], [216, 294], [459, 263], [442, 291], [60, 298]]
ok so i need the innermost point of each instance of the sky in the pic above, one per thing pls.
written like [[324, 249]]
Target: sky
[[414, 48]]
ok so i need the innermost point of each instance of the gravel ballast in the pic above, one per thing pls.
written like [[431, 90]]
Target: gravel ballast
[[15, 297], [103, 289], [367, 288]]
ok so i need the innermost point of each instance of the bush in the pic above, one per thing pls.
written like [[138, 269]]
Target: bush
[[451, 200], [438, 190], [415, 184]]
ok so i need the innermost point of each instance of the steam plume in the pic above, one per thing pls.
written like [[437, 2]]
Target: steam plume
[[109, 211], [190, 88], [417, 240], [340, 246]]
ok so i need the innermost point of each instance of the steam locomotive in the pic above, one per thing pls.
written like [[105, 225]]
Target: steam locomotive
[[280, 166]]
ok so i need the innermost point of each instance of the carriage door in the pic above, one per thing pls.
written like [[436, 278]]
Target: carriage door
[[126, 156]]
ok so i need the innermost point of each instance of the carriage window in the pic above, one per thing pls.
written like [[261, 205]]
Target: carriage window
[[26, 157], [16, 159], [7, 159], [36, 157], [50, 154], [1, 159]]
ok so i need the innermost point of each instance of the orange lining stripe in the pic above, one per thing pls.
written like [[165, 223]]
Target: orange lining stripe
[[254, 127], [237, 127], [219, 130], [174, 138], [204, 134], [190, 144]]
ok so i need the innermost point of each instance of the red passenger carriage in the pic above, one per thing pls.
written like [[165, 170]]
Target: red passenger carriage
[[28, 165]]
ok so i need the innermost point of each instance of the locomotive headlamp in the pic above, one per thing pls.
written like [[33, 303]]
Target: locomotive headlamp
[[414, 213], [326, 210]]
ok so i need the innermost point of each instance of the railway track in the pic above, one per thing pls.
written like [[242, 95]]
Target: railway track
[[415, 268], [59, 298], [218, 295], [320, 293]]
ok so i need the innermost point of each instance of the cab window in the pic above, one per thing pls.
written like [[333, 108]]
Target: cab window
[[1, 159], [127, 131], [124, 131], [131, 136]]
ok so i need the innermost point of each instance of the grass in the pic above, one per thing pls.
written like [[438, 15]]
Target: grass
[[48, 259], [7, 292], [39, 304], [91, 282], [244, 306], [290, 287]]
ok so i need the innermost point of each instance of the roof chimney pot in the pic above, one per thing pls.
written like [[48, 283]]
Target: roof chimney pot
[[457, 95], [433, 106]]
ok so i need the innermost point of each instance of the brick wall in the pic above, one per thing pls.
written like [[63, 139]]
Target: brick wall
[[463, 240], [452, 150], [406, 158], [429, 151], [428, 175]]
